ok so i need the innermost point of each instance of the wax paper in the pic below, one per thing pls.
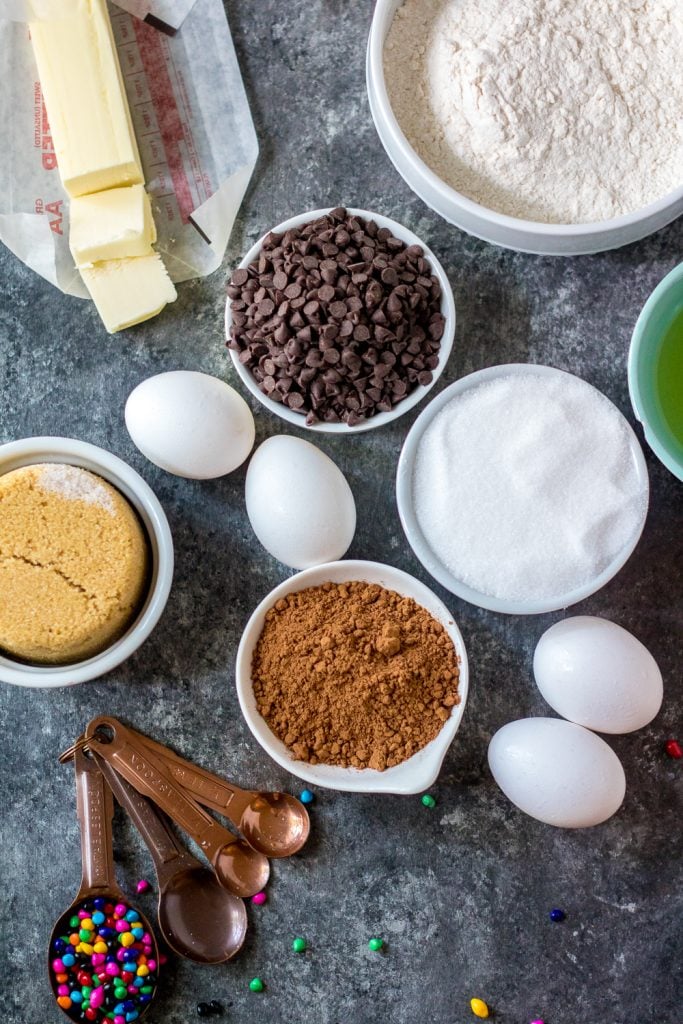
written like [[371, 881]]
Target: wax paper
[[167, 13], [192, 121]]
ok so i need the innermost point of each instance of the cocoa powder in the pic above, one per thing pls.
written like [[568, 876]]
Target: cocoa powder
[[354, 675]]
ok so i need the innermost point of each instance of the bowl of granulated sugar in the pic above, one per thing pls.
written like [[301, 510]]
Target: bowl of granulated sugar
[[522, 489]]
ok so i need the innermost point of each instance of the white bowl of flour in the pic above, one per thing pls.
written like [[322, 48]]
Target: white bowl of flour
[[522, 489], [548, 127]]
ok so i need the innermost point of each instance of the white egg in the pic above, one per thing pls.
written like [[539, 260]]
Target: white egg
[[597, 674], [190, 424], [557, 772], [299, 503]]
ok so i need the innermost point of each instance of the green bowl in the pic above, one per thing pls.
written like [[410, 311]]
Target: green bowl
[[661, 309]]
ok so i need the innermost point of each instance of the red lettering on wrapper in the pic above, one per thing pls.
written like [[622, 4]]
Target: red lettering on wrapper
[[42, 136], [153, 48], [56, 209], [49, 158]]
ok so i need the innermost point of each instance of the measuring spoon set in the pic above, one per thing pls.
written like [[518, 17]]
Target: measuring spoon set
[[201, 912]]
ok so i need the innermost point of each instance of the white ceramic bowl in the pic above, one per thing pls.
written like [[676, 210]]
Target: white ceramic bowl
[[382, 418], [412, 776], [511, 232], [87, 456], [416, 539]]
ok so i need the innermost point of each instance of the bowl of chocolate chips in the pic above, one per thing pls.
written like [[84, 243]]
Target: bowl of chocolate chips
[[339, 320]]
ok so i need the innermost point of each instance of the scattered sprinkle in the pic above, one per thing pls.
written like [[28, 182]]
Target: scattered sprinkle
[[376, 944], [259, 899], [674, 749], [212, 1009], [539, 1021], [142, 886], [429, 801], [306, 796], [163, 959], [256, 985], [299, 945], [557, 915], [479, 1007]]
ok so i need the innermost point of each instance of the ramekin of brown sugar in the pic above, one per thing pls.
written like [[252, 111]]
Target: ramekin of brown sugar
[[87, 555]]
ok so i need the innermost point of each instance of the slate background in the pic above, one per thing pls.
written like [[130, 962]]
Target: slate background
[[460, 893]]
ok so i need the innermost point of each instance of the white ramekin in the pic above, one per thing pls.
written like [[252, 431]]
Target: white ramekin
[[66, 450], [382, 418], [412, 776], [416, 539], [510, 232]]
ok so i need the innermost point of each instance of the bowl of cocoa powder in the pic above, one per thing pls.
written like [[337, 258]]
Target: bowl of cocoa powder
[[339, 320], [353, 676]]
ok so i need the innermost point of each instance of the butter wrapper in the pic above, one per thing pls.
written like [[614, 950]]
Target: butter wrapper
[[194, 129], [167, 15]]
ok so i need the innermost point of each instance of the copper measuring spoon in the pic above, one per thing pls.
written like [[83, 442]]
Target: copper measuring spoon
[[95, 807], [238, 867], [199, 919], [275, 824]]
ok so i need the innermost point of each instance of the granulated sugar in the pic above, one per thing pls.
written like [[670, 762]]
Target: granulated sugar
[[525, 487], [75, 484], [562, 111]]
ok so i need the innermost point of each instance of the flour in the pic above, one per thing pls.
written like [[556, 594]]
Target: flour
[[562, 111]]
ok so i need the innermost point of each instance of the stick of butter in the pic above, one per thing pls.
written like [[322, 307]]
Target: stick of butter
[[128, 291], [80, 76], [111, 225]]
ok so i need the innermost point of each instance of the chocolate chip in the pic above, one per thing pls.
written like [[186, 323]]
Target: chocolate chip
[[314, 357], [239, 277], [294, 400], [329, 332], [390, 277], [282, 334]]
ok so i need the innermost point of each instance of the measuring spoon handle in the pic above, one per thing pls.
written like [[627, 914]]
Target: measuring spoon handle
[[148, 775], [95, 809], [207, 788], [167, 853]]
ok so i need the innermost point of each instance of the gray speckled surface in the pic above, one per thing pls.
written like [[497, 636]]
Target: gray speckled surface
[[460, 893]]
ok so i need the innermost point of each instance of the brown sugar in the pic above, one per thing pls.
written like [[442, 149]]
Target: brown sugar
[[73, 563], [354, 675]]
